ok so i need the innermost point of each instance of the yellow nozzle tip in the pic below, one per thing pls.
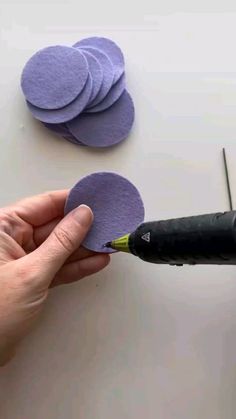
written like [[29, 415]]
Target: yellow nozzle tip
[[121, 244]]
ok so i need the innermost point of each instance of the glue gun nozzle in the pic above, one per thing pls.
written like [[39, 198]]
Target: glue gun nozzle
[[108, 244], [120, 244]]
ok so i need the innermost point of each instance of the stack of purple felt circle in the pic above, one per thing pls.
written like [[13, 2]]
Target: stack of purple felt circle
[[79, 92]]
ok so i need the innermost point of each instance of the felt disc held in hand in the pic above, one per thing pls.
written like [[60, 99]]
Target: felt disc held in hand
[[116, 204]]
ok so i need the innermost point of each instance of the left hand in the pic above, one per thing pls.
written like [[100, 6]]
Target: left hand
[[39, 249]]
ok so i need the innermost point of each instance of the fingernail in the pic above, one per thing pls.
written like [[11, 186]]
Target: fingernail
[[83, 214]]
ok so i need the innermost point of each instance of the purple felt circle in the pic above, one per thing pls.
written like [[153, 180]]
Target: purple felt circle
[[112, 96], [116, 204], [107, 128], [73, 140], [62, 131], [58, 116], [111, 49], [96, 73], [54, 77], [59, 129], [108, 74]]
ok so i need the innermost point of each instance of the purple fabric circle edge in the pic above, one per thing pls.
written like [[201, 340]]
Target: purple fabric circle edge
[[58, 116], [113, 95], [116, 203], [108, 73], [44, 81], [107, 128], [59, 129], [62, 131], [96, 73], [111, 49], [73, 140]]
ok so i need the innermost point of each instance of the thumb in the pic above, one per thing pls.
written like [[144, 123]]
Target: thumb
[[63, 241]]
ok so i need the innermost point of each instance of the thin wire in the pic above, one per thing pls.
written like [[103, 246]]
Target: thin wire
[[227, 180]]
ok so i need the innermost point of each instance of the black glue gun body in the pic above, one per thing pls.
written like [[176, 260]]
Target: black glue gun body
[[205, 239]]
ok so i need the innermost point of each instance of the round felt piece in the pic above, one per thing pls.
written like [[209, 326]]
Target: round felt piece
[[62, 131], [112, 96], [96, 73], [58, 116], [108, 74], [105, 128], [116, 204], [72, 139], [111, 50], [59, 129], [54, 77]]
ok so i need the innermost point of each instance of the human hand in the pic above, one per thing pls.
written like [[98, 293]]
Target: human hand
[[38, 250]]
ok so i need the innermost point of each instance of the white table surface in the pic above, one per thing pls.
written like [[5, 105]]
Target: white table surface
[[138, 340]]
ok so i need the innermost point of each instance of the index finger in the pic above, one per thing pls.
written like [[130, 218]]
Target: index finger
[[40, 209]]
